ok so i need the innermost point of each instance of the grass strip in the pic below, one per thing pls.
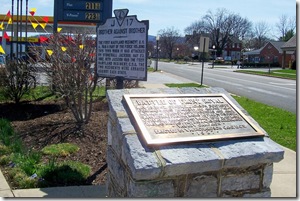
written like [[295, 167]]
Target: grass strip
[[278, 123], [287, 74]]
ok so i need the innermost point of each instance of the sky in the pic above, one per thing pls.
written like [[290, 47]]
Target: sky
[[179, 14]]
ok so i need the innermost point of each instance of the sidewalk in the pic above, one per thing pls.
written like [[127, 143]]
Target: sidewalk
[[284, 183]]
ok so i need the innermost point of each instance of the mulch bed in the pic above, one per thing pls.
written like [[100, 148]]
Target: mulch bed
[[42, 123]]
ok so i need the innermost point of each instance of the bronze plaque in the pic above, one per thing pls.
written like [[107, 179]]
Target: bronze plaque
[[169, 118]]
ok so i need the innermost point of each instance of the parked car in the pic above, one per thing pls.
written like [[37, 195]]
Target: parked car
[[219, 60], [2, 61], [227, 58]]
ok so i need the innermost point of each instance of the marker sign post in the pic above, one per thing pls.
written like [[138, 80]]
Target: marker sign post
[[122, 47]]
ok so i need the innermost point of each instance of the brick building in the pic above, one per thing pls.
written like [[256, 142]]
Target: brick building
[[233, 48], [290, 46], [271, 53]]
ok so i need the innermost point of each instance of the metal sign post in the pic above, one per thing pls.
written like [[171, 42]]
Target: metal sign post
[[204, 42], [203, 61], [122, 48]]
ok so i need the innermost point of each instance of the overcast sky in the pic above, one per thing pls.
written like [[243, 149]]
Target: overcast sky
[[180, 14]]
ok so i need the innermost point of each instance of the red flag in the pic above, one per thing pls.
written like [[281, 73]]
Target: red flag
[[6, 36], [8, 14], [46, 19], [32, 11], [70, 38], [43, 39]]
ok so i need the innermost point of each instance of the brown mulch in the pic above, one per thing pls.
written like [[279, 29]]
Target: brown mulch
[[42, 123]]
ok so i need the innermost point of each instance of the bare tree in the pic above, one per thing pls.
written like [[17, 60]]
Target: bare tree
[[193, 34], [260, 33], [72, 72], [285, 27], [168, 39], [222, 24], [196, 27]]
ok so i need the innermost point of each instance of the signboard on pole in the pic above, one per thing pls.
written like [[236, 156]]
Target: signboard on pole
[[122, 47], [204, 45]]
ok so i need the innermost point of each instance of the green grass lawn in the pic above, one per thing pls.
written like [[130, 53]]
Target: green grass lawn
[[285, 73], [278, 123]]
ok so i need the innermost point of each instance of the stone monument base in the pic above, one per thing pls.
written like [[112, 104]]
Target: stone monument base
[[240, 167]]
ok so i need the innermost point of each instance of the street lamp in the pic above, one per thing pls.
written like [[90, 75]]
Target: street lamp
[[177, 52], [214, 51], [196, 48], [156, 66]]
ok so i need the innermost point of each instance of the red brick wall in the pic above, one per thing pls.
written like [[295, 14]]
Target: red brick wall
[[271, 52]]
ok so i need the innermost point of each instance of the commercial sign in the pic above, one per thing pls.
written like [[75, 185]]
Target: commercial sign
[[94, 11], [122, 47], [22, 39]]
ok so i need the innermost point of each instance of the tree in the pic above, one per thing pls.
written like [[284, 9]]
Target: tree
[[260, 32], [196, 27], [193, 34], [169, 37], [289, 34], [286, 27], [72, 71], [223, 24]]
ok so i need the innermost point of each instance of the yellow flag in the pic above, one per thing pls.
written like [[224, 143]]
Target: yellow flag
[[63, 49], [2, 50], [10, 21], [81, 46], [50, 52], [33, 9], [43, 25], [2, 26], [34, 25], [59, 29]]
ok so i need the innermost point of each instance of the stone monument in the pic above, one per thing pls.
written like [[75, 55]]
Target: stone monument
[[186, 142]]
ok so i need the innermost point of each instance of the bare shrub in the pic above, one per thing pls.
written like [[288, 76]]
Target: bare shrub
[[70, 66], [17, 80]]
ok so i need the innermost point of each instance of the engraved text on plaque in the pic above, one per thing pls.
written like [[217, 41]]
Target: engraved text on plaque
[[189, 117]]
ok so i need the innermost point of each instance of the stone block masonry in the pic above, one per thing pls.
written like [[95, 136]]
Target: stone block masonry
[[241, 167]]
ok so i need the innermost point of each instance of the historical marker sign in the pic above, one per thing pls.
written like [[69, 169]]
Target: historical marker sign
[[165, 119], [122, 47]]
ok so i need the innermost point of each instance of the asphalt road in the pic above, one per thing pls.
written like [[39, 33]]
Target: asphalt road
[[271, 91]]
